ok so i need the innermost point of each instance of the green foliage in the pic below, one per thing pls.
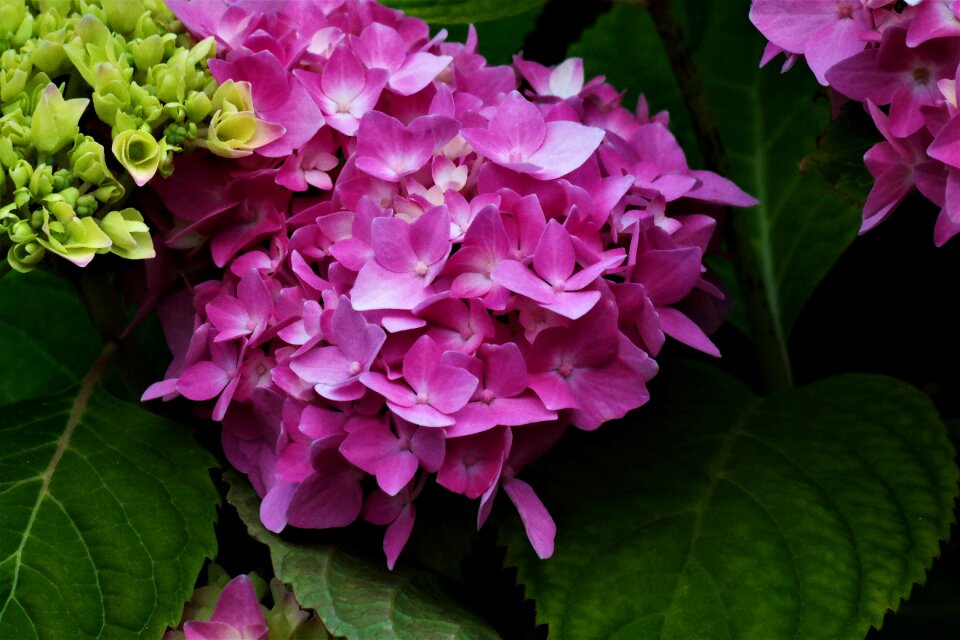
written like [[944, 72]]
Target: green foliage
[[108, 517], [769, 124], [722, 515], [499, 39], [356, 596], [463, 11], [48, 341]]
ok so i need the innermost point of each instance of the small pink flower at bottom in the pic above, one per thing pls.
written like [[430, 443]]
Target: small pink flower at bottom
[[237, 616]]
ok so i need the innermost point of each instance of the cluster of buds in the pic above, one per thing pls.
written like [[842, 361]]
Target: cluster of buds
[[902, 60], [153, 96], [437, 267]]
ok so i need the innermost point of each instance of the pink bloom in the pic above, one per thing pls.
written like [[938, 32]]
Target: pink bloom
[[335, 370], [519, 138], [394, 457], [345, 91], [436, 389], [406, 260], [897, 75], [236, 616], [557, 288], [388, 150]]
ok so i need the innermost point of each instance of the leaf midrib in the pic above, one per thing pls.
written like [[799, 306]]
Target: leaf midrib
[[715, 471], [87, 385]]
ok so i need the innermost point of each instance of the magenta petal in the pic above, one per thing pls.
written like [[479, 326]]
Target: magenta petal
[[540, 528], [421, 414], [566, 147], [202, 381], [379, 288], [420, 361], [517, 278], [203, 630], [429, 447], [554, 258], [273, 509], [573, 304], [397, 534], [506, 370], [449, 388], [238, 604], [417, 72], [392, 391], [325, 502], [683, 329]]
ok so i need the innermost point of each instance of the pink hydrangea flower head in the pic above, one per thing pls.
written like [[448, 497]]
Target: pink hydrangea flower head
[[439, 267]]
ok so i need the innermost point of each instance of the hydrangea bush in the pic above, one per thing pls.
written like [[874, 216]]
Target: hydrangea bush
[[372, 272]]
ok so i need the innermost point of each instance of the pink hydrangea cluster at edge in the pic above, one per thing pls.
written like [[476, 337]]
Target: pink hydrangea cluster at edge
[[902, 60], [438, 267]]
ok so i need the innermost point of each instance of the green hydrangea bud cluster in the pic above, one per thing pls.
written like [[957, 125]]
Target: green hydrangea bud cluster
[[152, 96]]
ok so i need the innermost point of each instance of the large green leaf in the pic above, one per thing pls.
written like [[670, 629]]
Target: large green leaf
[[46, 339], [106, 517], [723, 515], [355, 595], [768, 123], [463, 11]]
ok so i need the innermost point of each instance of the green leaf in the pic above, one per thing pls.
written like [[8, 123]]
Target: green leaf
[[497, 40], [356, 596], [463, 11], [106, 517], [723, 515], [47, 339], [768, 122]]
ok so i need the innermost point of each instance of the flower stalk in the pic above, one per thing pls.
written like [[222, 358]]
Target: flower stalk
[[769, 338]]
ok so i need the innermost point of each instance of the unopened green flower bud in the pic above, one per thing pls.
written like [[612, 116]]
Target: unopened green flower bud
[[175, 134], [88, 161], [139, 153], [23, 257], [62, 7], [70, 195], [169, 80], [234, 134], [125, 122], [12, 82], [20, 173], [48, 56], [206, 48], [12, 13], [110, 98], [198, 106], [41, 182], [91, 30], [130, 235], [146, 105], [233, 96], [147, 26], [37, 218], [49, 21], [54, 122], [22, 197], [147, 52], [86, 205], [21, 231], [62, 179], [78, 240], [123, 15], [24, 31], [110, 191], [62, 211], [8, 157]]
